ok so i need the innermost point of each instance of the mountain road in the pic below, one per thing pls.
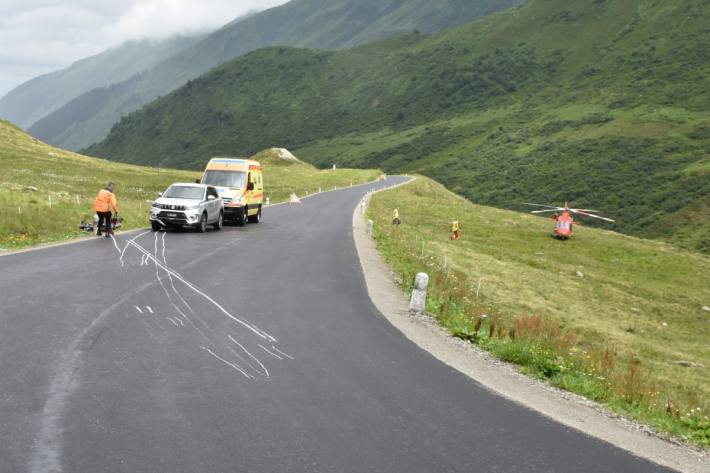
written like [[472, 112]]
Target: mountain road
[[251, 349]]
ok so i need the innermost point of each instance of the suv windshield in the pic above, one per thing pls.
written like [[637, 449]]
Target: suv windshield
[[185, 192], [225, 178]]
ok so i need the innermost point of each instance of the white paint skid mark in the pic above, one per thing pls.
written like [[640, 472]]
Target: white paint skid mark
[[187, 305], [265, 372], [176, 275], [246, 375], [128, 243], [139, 310], [173, 322], [113, 238], [270, 352], [149, 309], [282, 353]]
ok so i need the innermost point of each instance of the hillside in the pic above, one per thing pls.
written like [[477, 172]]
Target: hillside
[[45, 192], [618, 319], [330, 24], [595, 102], [39, 97]]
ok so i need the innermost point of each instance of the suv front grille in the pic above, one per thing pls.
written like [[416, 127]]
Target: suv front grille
[[171, 207]]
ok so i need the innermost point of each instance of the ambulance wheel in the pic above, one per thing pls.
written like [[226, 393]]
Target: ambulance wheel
[[255, 218], [220, 222], [243, 219], [155, 226]]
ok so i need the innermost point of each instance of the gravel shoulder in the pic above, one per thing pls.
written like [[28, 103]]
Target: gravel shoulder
[[502, 378]]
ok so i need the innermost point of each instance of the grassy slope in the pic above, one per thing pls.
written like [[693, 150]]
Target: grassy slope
[[307, 23], [636, 297], [72, 180], [596, 102]]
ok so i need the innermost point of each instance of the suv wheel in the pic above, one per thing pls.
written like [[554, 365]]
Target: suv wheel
[[155, 226], [220, 222], [202, 225]]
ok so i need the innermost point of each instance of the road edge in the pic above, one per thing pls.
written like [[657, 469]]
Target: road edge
[[501, 378]]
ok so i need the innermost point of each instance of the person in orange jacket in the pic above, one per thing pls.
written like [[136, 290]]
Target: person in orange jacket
[[104, 202]]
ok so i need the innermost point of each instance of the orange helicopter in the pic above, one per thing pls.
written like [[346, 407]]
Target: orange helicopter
[[564, 222]]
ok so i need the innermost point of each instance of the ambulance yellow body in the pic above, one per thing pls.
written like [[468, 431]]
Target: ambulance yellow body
[[240, 184]]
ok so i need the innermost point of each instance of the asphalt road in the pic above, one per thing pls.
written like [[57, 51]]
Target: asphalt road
[[252, 349]]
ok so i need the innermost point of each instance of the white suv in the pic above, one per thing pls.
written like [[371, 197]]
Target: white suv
[[195, 205]]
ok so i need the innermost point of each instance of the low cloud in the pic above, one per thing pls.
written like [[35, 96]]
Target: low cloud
[[163, 18], [40, 36]]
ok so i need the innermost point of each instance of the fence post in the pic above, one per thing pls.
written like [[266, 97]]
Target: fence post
[[417, 304]]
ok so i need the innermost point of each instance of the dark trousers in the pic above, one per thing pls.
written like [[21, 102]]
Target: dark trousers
[[104, 223]]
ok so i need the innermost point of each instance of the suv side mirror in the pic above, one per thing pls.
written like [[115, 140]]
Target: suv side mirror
[[250, 186], [211, 197], [160, 194]]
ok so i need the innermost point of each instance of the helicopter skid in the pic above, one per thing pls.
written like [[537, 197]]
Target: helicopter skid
[[561, 237]]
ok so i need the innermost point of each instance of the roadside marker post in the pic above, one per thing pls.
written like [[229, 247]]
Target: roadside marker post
[[417, 304]]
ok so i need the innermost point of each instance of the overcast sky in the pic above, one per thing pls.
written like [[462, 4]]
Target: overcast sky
[[40, 36]]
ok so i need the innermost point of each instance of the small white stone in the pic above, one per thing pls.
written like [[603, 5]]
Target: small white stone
[[580, 274]]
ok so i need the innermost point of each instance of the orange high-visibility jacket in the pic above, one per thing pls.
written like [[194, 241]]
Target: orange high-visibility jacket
[[104, 200]]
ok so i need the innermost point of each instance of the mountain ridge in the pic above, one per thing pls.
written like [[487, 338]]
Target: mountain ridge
[[306, 23], [33, 100]]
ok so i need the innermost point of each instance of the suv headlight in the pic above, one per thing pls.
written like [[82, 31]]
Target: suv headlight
[[193, 207]]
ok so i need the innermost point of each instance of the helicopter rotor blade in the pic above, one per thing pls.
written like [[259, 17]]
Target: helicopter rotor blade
[[548, 210], [540, 205], [584, 210], [593, 216]]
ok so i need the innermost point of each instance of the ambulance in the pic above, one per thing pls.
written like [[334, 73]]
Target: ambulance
[[240, 184]]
